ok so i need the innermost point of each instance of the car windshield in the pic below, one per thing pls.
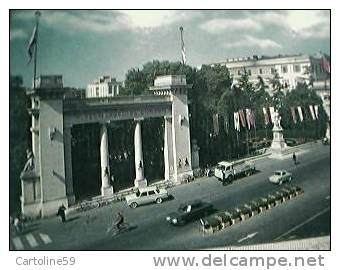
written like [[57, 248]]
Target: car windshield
[[277, 173], [220, 167]]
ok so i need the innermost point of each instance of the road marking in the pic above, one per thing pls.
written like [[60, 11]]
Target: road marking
[[17, 243], [31, 240], [45, 238], [303, 223], [249, 236]]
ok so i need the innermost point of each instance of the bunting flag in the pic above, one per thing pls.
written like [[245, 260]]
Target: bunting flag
[[266, 117], [292, 109], [216, 124], [300, 113], [311, 108], [316, 109], [248, 116], [242, 117], [237, 121], [272, 110], [31, 45]]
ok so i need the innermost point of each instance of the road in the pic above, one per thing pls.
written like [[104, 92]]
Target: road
[[305, 216]]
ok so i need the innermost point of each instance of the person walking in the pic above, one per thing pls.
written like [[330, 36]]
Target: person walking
[[61, 213], [294, 158], [17, 224]]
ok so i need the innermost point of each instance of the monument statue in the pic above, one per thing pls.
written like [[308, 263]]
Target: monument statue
[[277, 119]]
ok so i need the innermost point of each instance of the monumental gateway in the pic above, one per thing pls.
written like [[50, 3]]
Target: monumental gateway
[[46, 180]]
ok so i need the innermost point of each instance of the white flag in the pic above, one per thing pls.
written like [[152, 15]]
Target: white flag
[[184, 59], [316, 108], [236, 121], [248, 116], [271, 110], [311, 108], [300, 113]]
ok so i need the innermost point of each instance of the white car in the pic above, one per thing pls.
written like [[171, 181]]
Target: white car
[[280, 176], [146, 195]]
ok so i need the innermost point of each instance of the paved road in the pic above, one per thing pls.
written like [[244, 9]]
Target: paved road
[[305, 216]]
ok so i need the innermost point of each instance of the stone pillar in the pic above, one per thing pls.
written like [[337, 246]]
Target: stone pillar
[[168, 149], [68, 165], [140, 181], [106, 189]]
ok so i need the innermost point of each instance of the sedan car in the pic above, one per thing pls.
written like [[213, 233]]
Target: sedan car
[[146, 195], [280, 176], [190, 211]]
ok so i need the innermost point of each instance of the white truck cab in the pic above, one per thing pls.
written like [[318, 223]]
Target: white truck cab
[[226, 171]]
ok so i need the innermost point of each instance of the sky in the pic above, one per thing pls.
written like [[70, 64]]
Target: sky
[[82, 45]]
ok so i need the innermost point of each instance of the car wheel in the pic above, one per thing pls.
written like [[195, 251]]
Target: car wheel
[[159, 200], [133, 205]]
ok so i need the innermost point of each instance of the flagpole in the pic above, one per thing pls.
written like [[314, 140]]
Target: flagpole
[[37, 15], [182, 50]]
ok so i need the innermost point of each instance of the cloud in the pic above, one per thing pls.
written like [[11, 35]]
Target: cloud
[[216, 26], [250, 41], [17, 34]]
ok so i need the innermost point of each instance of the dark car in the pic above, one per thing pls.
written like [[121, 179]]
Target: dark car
[[190, 211]]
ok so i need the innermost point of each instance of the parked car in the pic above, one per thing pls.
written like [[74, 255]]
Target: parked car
[[280, 176], [190, 211], [146, 195]]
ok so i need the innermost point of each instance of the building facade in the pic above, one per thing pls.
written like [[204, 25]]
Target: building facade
[[105, 86], [291, 69]]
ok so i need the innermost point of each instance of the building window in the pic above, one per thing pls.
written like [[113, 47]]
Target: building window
[[97, 91], [110, 89], [249, 72], [272, 70], [284, 69], [239, 72], [260, 71]]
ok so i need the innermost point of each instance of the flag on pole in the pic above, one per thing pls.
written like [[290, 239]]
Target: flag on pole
[[31, 45], [226, 124], [292, 109], [316, 109], [242, 117], [215, 124], [248, 116], [252, 119], [311, 108], [266, 117], [237, 121], [184, 59], [272, 111], [300, 113], [325, 64]]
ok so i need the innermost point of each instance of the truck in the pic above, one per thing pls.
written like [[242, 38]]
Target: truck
[[227, 171]]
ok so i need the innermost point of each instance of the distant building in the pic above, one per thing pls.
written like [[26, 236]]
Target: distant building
[[105, 86], [292, 69]]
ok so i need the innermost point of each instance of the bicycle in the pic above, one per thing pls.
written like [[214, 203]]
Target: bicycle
[[113, 230]]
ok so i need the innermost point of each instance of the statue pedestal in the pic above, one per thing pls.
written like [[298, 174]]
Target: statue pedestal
[[278, 144]]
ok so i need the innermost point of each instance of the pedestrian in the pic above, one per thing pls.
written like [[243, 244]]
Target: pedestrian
[[294, 158], [61, 212]]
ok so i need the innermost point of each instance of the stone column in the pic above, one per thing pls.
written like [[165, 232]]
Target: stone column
[[106, 189], [168, 154], [68, 165], [140, 181]]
